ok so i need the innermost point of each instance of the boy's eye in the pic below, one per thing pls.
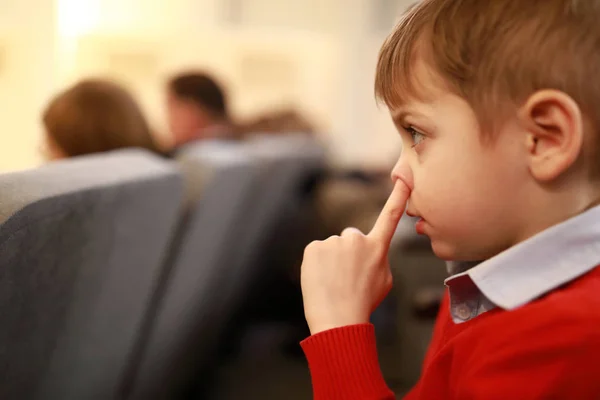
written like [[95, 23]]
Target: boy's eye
[[417, 136]]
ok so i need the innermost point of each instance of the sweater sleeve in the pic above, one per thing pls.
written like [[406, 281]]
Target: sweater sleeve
[[344, 365]]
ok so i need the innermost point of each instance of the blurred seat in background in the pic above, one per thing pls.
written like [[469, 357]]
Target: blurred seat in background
[[206, 263], [82, 243], [287, 222], [351, 198], [242, 196]]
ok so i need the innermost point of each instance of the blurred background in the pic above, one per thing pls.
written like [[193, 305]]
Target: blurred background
[[317, 56], [176, 275]]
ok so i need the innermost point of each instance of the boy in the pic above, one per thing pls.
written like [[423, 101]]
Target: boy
[[496, 103]]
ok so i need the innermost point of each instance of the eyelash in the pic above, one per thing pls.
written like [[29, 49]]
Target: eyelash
[[413, 132]]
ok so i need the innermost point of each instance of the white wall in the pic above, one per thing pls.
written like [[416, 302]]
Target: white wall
[[27, 40], [325, 49]]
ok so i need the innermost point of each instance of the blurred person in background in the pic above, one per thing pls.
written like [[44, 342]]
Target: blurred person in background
[[197, 109], [277, 122], [94, 116]]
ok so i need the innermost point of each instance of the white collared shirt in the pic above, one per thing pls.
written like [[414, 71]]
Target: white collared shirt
[[527, 270]]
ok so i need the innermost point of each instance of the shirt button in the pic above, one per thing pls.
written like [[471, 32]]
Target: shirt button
[[463, 312]]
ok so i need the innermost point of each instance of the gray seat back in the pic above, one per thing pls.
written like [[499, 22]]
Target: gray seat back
[[282, 224], [238, 193], [222, 181], [293, 162], [82, 242]]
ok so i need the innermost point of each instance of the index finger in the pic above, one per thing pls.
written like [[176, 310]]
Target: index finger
[[390, 215]]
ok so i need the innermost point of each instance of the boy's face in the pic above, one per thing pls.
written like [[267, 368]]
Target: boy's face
[[471, 194]]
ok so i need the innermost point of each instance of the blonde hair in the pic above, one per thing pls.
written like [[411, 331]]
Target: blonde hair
[[495, 53], [96, 116]]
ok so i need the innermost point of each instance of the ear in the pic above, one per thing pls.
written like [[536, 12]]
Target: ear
[[555, 127]]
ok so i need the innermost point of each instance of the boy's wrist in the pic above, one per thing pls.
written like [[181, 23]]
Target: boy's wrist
[[316, 328]]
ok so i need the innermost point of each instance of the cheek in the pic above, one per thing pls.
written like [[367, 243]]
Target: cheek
[[469, 209], [459, 218], [442, 200], [441, 185], [459, 177]]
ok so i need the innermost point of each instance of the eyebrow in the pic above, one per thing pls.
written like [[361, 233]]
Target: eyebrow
[[399, 117]]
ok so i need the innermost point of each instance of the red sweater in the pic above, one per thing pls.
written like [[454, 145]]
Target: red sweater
[[548, 349]]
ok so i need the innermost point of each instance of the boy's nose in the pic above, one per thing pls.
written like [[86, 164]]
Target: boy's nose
[[403, 172]]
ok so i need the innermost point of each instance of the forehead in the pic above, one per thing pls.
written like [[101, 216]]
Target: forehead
[[446, 113], [416, 83], [416, 90]]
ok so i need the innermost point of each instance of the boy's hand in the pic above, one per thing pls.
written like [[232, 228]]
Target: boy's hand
[[344, 278]]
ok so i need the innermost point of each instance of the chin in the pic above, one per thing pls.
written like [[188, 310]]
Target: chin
[[450, 252], [442, 250]]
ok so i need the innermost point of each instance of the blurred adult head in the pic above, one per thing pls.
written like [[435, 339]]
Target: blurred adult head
[[196, 107], [94, 116]]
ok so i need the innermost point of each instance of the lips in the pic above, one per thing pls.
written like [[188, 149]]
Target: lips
[[420, 226]]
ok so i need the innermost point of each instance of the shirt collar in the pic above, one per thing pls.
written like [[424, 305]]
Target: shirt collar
[[534, 267]]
